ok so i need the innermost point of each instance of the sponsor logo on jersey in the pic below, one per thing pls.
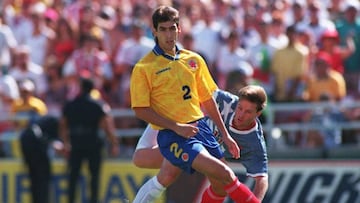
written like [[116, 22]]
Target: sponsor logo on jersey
[[162, 70]]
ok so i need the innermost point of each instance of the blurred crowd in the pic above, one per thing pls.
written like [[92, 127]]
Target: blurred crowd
[[298, 50]]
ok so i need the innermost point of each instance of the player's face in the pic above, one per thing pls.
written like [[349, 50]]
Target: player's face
[[167, 34], [245, 113]]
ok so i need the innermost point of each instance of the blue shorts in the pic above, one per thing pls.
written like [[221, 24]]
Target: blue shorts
[[181, 151]]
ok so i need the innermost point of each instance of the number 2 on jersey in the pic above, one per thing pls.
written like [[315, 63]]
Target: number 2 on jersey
[[187, 94]]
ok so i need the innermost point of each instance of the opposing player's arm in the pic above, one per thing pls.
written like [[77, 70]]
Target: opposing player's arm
[[213, 112]]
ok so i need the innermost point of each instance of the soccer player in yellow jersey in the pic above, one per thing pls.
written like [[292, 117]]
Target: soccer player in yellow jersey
[[167, 88]]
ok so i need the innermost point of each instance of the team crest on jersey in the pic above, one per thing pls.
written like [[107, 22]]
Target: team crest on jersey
[[192, 64], [185, 156]]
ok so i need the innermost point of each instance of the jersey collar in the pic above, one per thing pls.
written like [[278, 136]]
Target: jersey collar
[[158, 51]]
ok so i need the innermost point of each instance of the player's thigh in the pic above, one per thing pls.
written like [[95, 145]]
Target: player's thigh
[[148, 158]]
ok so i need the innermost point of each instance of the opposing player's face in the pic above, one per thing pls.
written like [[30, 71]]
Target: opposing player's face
[[167, 34], [245, 113]]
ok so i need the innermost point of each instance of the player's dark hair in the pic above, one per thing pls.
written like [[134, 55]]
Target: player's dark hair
[[164, 14], [255, 94]]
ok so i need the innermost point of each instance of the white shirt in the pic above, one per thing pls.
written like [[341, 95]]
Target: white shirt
[[228, 61], [34, 73], [7, 41]]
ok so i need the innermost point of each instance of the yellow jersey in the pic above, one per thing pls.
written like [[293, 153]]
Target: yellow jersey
[[174, 87]]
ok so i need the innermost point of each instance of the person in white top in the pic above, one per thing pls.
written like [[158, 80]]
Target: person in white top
[[24, 68], [229, 56], [7, 45], [39, 39]]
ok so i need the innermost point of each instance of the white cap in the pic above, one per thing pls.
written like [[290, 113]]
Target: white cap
[[351, 4], [27, 85], [38, 8]]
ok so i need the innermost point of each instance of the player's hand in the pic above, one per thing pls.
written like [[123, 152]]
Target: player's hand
[[232, 146], [66, 150], [114, 151], [186, 130], [58, 146]]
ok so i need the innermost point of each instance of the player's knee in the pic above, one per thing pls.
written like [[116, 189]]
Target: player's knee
[[228, 176], [137, 161], [167, 178]]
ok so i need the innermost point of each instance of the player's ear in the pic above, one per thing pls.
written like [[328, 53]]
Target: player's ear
[[258, 113]]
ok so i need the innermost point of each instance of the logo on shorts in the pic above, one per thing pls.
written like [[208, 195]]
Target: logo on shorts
[[185, 156]]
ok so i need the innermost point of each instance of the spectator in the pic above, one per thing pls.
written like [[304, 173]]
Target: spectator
[[86, 61], [206, 30], [260, 56], [335, 9], [277, 37], [318, 20], [298, 11], [8, 93], [229, 55], [7, 45], [106, 19], [329, 43], [349, 26], [38, 41], [240, 76], [324, 85], [23, 68], [128, 54], [51, 17], [17, 16], [288, 67], [28, 106], [81, 120], [327, 135], [62, 46], [324, 81], [248, 34]]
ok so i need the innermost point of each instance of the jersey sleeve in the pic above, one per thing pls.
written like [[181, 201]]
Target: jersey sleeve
[[139, 88], [206, 85]]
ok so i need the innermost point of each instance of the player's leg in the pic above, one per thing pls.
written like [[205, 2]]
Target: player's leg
[[261, 186], [147, 153], [218, 170], [155, 186], [94, 164], [75, 162], [215, 193]]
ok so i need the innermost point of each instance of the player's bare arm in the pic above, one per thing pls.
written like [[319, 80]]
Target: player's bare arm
[[149, 115]]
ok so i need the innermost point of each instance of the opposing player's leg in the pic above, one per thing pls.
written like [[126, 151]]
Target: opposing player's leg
[[147, 153], [214, 193], [215, 169], [261, 186]]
